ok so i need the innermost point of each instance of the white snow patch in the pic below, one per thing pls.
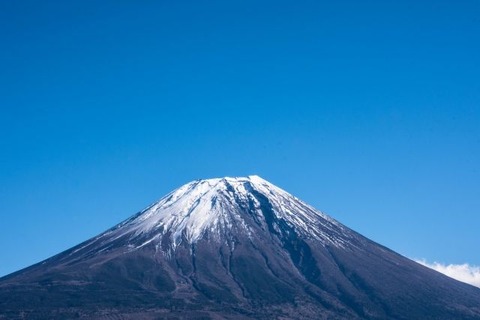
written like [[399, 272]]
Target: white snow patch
[[215, 207]]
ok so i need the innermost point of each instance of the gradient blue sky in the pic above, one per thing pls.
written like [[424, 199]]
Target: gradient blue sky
[[368, 110]]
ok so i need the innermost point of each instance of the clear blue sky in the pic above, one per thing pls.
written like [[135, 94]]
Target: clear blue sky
[[368, 110]]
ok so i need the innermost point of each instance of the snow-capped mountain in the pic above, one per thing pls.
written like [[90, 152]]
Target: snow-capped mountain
[[234, 248], [220, 209]]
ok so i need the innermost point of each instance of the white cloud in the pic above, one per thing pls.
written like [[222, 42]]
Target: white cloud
[[461, 272]]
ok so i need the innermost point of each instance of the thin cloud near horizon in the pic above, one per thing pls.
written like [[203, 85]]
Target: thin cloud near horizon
[[462, 272]]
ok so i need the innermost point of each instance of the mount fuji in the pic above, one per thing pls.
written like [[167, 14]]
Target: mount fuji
[[232, 248]]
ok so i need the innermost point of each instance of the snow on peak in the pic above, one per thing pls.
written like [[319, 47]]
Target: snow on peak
[[220, 207]]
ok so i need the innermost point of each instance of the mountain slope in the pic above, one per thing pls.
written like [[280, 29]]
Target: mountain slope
[[235, 248]]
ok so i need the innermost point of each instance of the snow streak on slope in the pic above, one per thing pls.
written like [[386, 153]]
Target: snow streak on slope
[[216, 207]]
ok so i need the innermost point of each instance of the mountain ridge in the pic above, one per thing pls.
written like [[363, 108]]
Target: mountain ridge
[[234, 248]]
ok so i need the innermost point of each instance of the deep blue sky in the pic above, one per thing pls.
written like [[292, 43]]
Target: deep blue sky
[[368, 110]]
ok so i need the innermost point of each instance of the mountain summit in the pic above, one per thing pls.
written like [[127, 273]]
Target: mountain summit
[[233, 248], [221, 209]]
